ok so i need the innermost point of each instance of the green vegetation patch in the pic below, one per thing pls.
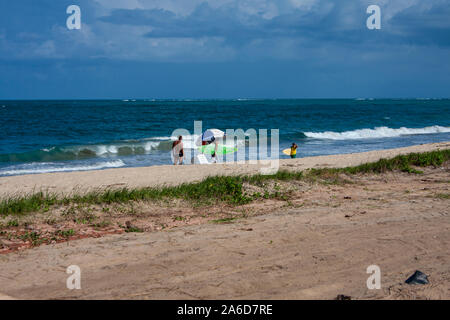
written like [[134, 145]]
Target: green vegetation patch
[[224, 220], [228, 189]]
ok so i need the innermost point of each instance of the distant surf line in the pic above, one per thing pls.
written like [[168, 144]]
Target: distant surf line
[[377, 132]]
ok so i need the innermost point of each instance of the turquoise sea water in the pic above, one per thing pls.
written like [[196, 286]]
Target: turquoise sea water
[[49, 136]]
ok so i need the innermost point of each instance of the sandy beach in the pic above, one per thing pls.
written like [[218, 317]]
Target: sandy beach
[[315, 245], [98, 99]]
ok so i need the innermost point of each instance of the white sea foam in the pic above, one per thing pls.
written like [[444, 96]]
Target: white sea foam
[[151, 145], [379, 132], [101, 150], [161, 138], [112, 149], [42, 168]]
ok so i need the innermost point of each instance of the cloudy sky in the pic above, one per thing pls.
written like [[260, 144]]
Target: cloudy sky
[[224, 49]]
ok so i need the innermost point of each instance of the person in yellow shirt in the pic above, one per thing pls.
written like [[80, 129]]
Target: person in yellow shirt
[[294, 150]]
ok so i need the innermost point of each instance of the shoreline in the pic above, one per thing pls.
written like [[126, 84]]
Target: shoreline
[[81, 182]]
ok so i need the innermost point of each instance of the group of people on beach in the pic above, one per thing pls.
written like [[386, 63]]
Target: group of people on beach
[[178, 150]]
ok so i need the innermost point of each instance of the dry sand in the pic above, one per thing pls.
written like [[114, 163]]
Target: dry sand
[[80, 182], [316, 246]]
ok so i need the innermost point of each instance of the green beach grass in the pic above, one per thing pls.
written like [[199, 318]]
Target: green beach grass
[[228, 189]]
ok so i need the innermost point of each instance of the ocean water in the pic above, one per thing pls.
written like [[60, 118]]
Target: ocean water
[[55, 136]]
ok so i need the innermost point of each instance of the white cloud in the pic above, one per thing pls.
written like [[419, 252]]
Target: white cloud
[[46, 50], [223, 30]]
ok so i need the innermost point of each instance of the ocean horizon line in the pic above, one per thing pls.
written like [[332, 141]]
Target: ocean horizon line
[[224, 99]]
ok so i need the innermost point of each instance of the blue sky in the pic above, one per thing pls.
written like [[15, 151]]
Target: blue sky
[[224, 49]]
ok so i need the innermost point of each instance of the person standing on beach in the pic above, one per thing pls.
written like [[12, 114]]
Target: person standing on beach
[[209, 141], [294, 150], [177, 151]]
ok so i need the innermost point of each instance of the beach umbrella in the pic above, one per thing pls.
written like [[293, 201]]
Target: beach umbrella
[[210, 135]]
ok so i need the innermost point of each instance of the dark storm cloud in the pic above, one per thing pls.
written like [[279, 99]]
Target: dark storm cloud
[[343, 21], [224, 48]]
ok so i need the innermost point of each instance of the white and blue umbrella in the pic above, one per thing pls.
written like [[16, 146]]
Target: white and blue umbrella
[[210, 135]]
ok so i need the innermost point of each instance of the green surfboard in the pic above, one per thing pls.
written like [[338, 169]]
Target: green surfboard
[[221, 149]]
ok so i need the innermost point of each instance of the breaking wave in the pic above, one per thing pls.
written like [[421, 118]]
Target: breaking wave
[[33, 168], [379, 132], [103, 150]]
